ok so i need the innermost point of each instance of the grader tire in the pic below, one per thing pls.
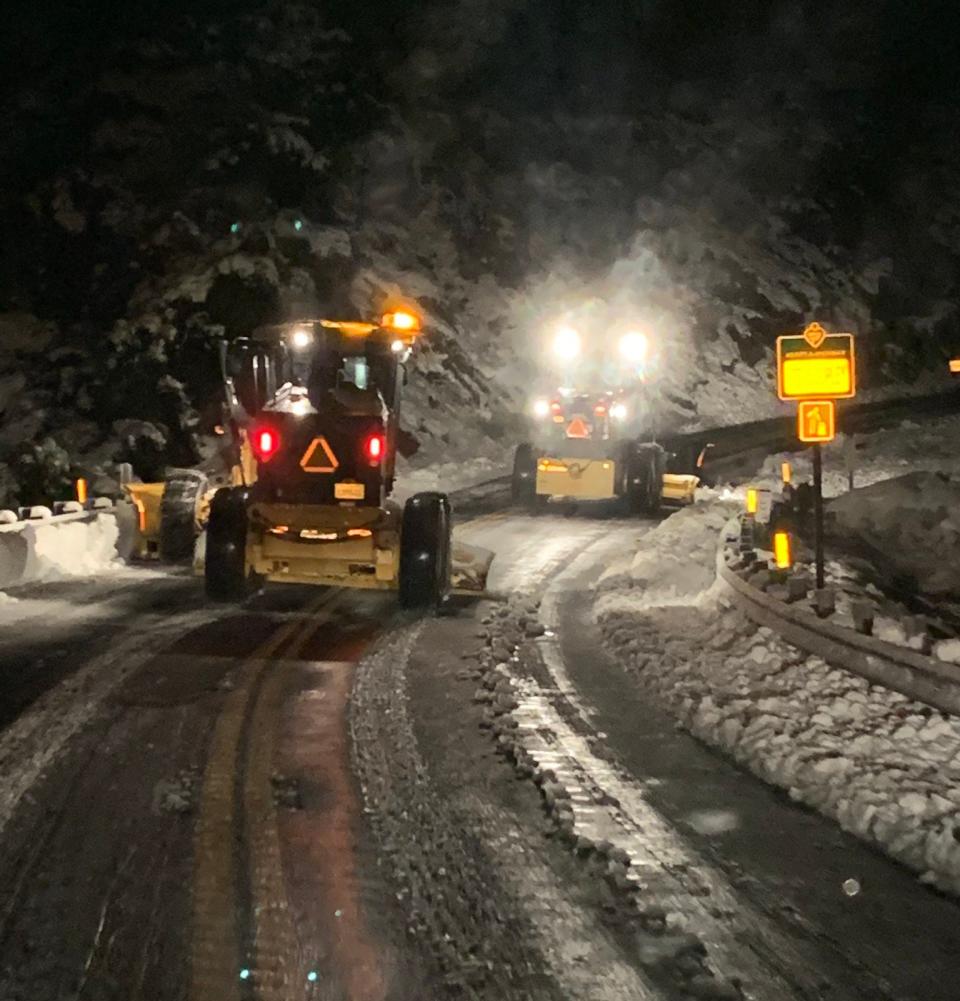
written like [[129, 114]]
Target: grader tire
[[179, 506], [425, 551]]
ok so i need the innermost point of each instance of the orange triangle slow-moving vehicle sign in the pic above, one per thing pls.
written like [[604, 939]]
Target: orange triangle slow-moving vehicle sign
[[319, 457], [577, 428]]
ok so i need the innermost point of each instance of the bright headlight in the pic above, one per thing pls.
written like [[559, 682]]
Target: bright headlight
[[301, 338], [618, 411], [541, 408], [566, 343], [633, 347]]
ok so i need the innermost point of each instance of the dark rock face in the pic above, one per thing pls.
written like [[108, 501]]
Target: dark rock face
[[176, 177]]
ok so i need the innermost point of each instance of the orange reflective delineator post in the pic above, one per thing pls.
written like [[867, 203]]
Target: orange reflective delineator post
[[81, 490], [786, 472], [782, 554], [753, 500], [816, 420]]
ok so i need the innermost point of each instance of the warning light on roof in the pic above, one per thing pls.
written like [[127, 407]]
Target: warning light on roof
[[781, 550], [401, 319], [955, 366], [81, 488], [753, 500]]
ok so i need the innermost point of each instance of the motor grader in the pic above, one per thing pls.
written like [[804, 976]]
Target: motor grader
[[591, 438], [313, 412]]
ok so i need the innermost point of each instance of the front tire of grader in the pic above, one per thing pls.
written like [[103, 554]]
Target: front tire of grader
[[179, 509], [523, 483], [225, 570], [425, 550]]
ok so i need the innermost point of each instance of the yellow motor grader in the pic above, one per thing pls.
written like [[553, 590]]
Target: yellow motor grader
[[314, 412], [589, 442]]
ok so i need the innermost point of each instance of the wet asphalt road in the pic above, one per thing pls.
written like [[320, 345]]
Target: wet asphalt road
[[301, 799]]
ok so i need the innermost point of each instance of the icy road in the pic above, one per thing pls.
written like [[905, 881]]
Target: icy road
[[316, 796]]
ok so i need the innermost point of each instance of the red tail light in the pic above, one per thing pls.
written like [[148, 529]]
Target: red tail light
[[374, 447], [265, 442], [600, 410]]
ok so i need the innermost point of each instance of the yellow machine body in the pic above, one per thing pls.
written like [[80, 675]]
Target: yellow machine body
[[595, 479], [325, 544], [583, 479], [146, 497], [680, 488]]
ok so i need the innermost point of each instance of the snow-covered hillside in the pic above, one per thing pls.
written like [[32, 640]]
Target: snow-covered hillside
[[498, 161]]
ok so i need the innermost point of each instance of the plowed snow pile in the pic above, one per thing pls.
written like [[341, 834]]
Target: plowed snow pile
[[912, 523], [885, 767], [47, 551]]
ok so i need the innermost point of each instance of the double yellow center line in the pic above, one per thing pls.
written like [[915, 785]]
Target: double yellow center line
[[236, 830]]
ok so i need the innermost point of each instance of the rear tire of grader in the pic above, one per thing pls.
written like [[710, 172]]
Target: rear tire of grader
[[225, 568]]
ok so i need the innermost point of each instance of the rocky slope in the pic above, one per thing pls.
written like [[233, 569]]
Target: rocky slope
[[175, 180]]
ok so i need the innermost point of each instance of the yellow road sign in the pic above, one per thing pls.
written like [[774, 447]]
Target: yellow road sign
[[816, 365], [816, 420]]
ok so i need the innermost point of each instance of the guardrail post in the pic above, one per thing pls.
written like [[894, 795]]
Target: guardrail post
[[797, 588], [824, 602], [918, 636], [862, 612]]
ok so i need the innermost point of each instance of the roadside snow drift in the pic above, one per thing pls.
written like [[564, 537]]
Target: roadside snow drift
[[886, 768]]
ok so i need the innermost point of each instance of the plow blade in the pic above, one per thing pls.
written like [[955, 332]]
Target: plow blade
[[469, 568], [680, 489]]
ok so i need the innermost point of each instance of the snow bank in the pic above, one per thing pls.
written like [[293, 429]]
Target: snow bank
[[57, 549], [447, 476], [884, 767], [914, 521]]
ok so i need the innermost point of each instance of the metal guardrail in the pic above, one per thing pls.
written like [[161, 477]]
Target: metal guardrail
[[916, 675]]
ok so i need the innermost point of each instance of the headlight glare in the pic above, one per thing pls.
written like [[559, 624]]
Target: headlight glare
[[633, 347], [566, 344]]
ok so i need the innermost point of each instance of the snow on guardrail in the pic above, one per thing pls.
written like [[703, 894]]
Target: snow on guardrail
[[40, 544], [911, 672]]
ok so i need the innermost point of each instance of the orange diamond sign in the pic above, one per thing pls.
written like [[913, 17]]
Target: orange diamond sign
[[816, 420], [814, 335], [319, 457]]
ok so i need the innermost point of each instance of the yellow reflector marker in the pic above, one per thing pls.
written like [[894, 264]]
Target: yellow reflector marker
[[786, 473], [141, 513], [81, 486], [753, 500], [781, 550]]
